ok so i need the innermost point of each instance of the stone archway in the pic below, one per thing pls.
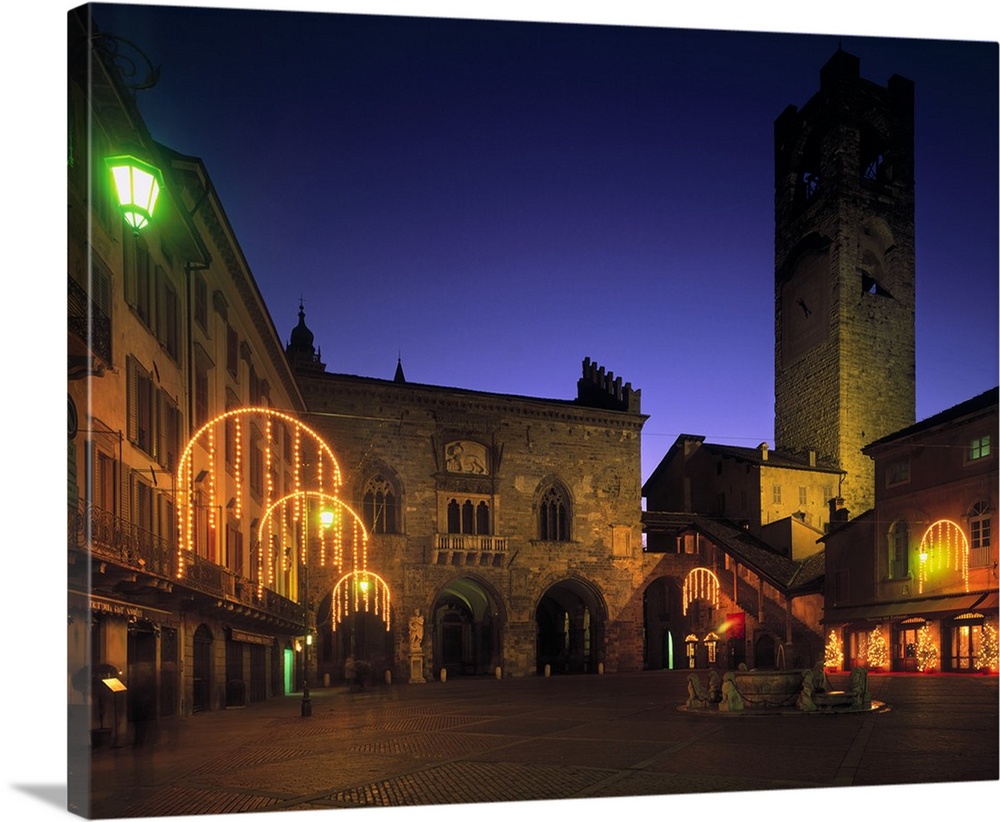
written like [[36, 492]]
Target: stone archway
[[664, 625], [570, 624], [466, 627]]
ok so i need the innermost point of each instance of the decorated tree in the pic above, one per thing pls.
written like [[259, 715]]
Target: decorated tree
[[927, 652], [878, 650], [988, 652], [834, 652]]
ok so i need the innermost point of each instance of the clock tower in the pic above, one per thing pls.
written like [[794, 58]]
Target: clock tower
[[844, 371]]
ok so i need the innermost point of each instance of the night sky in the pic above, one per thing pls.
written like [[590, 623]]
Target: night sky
[[493, 201], [567, 192]]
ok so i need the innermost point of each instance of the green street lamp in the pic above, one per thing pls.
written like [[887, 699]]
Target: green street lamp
[[137, 184]]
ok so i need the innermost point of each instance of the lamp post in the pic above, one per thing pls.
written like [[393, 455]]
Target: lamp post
[[326, 520]]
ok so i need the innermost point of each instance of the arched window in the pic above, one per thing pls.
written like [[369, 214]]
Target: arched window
[[981, 534], [553, 520], [469, 517], [379, 506], [898, 549]]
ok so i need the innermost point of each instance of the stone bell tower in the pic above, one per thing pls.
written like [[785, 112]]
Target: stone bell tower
[[844, 367]]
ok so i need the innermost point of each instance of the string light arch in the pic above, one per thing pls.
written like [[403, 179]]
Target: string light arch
[[210, 479], [943, 547], [701, 583], [360, 590], [344, 528]]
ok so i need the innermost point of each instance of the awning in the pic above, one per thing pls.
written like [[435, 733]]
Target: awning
[[937, 607]]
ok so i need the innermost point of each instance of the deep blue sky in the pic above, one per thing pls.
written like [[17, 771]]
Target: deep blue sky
[[496, 201]]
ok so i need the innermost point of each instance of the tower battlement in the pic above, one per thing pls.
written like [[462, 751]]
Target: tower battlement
[[598, 388]]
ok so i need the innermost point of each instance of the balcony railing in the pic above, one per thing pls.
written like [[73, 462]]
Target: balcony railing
[[468, 549], [115, 539], [88, 321], [469, 542]]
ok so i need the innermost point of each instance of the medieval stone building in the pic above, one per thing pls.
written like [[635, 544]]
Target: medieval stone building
[[844, 271]]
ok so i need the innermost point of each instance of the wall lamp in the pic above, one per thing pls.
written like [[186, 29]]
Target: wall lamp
[[137, 184]]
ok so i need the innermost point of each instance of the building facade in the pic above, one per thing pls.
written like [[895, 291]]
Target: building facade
[[911, 584], [844, 290], [176, 447], [756, 488]]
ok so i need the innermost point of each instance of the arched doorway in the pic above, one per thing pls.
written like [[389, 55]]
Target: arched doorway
[[663, 623], [569, 619], [202, 670], [467, 627]]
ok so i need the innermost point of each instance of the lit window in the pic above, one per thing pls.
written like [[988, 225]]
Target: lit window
[[979, 448]]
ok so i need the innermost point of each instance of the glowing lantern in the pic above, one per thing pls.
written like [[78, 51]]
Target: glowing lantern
[[138, 185]]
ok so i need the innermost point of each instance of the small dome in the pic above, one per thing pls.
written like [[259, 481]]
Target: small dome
[[302, 337]]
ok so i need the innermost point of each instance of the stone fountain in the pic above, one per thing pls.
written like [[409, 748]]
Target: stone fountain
[[779, 691]]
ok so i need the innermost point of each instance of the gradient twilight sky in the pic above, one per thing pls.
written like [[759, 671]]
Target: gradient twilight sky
[[496, 200]]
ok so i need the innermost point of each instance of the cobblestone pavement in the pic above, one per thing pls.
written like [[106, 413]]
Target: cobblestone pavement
[[485, 740]]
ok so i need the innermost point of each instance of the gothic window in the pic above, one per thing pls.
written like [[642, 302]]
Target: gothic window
[[379, 506], [898, 550], [554, 515]]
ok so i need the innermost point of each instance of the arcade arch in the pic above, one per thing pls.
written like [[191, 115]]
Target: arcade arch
[[570, 620], [467, 621]]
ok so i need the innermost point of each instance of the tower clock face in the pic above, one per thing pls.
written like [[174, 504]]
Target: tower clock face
[[804, 308]]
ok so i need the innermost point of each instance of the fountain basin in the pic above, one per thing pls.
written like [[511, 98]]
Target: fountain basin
[[767, 690]]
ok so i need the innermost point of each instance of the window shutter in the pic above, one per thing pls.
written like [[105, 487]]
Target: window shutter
[[132, 391]]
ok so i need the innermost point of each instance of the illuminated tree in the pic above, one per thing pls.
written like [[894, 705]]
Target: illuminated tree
[[878, 650], [834, 652], [989, 656], [927, 652]]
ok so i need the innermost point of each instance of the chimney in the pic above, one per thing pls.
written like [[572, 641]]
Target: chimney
[[763, 451], [838, 513], [812, 459]]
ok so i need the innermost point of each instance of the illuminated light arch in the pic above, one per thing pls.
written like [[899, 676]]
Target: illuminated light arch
[[701, 583], [360, 590], [331, 536], [326, 470], [943, 547]]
